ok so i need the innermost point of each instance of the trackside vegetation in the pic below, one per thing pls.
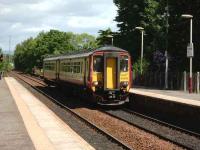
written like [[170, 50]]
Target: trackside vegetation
[[31, 52], [164, 30]]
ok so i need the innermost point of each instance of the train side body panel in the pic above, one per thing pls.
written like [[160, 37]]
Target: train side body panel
[[49, 70], [104, 73]]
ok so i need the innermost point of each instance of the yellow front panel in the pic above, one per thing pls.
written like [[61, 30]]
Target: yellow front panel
[[124, 76], [97, 76], [111, 71]]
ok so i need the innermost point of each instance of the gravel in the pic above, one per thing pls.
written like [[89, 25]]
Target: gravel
[[174, 135], [130, 135], [94, 138]]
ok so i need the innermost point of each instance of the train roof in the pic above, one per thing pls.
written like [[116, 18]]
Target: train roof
[[85, 53]]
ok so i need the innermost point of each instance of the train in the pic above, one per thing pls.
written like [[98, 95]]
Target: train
[[103, 74]]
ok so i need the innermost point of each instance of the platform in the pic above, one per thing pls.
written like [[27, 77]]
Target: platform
[[26, 123], [168, 95], [13, 133]]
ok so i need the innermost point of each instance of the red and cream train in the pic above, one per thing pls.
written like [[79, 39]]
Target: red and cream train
[[103, 74]]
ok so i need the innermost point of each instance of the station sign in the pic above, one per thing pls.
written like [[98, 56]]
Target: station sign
[[190, 50]]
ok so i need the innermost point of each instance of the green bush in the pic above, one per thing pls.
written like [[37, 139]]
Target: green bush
[[137, 66], [6, 66]]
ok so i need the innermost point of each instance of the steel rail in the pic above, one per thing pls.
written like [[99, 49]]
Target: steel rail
[[86, 121], [164, 123], [153, 132]]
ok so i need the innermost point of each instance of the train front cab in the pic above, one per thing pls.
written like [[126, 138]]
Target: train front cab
[[111, 77]]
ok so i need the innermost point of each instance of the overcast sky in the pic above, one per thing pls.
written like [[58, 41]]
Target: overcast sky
[[21, 19]]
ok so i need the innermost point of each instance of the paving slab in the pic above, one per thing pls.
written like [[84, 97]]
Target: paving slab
[[174, 96], [13, 133], [46, 130]]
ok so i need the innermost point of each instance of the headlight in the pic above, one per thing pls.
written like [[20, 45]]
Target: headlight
[[124, 84], [95, 83]]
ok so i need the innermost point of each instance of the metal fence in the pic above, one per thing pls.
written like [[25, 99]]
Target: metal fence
[[176, 80]]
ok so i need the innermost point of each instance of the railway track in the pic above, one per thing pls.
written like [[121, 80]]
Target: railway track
[[192, 133], [179, 136], [132, 118], [86, 121]]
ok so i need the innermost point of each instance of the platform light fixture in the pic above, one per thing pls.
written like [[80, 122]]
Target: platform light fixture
[[111, 36], [142, 46]]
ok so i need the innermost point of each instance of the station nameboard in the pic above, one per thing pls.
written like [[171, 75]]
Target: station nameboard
[[190, 50]]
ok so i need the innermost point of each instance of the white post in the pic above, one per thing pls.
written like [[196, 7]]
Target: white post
[[185, 80], [191, 30], [198, 78], [112, 41], [142, 48], [191, 49], [166, 52], [166, 70], [190, 78]]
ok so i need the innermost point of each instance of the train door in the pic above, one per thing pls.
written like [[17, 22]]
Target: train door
[[111, 68]]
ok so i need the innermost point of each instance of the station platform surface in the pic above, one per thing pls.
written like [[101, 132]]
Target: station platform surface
[[169, 95], [26, 123]]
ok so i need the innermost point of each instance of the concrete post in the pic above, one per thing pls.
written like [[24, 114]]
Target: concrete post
[[185, 81], [190, 78], [142, 51], [198, 78]]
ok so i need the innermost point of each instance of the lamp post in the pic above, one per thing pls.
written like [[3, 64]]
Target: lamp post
[[166, 51], [110, 36], [142, 45], [190, 50]]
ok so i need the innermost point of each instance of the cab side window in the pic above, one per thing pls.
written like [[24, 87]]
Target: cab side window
[[98, 64], [124, 63]]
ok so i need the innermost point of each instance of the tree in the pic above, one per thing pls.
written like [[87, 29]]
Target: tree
[[179, 30], [83, 41], [151, 14], [137, 66], [132, 13], [53, 42], [103, 38], [1, 51]]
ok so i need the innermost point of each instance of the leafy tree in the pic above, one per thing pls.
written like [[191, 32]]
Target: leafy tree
[[158, 61], [6, 66], [151, 14], [104, 37], [83, 41], [132, 13], [31, 52], [179, 30]]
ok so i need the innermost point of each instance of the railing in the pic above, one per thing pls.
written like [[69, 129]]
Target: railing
[[176, 80]]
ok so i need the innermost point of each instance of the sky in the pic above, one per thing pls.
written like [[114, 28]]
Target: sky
[[21, 19]]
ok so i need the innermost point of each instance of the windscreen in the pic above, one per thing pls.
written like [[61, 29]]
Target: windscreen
[[98, 64], [124, 63]]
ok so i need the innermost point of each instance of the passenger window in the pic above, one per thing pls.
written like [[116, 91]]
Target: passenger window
[[98, 64], [124, 63]]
